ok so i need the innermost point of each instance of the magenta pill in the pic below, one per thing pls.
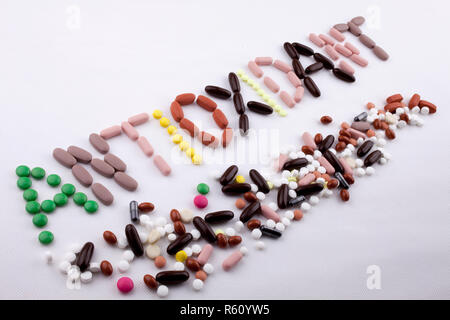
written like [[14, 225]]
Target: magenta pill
[[356, 58], [343, 50], [308, 140], [200, 201], [299, 94], [232, 260], [351, 47], [292, 77], [269, 213], [145, 146], [130, 131], [346, 67], [125, 284]]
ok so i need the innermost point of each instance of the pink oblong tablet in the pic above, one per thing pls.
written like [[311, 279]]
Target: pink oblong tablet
[[162, 165], [308, 140], [287, 99], [356, 134], [351, 47], [343, 50], [283, 66], [299, 94], [347, 168], [255, 69], [331, 52], [356, 58], [269, 213], [316, 40], [271, 84], [336, 34], [232, 260], [292, 77], [324, 163], [130, 131], [139, 119], [327, 39], [111, 132], [279, 163], [307, 179], [204, 255], [264, 61], [145, 146], [346, 67]]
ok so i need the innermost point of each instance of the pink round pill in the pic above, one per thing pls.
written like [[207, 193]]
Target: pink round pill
[[125, 284], [200, 201]]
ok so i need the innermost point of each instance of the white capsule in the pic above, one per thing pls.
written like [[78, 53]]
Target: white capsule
[[195, 234], [314, 200], [270, 223], [122, 242], [382, 161], [143, 236], [230, 232], [279, 226], [143, 218], [305, 206], [162, 291], [197, 284], [416, 109], [48, 257], [123, 266], [359, 141], [256, 234], [359, 163], [86, 277], [242, 249], [317, 154], [425, 110], [178, 266], [64, 266], [168, 228], [188, 251], [285, 221], [94, 267], [260, 245], [253, 187], [289, 214], [292, 194], [196, 249], [292, 185], [273, 206], [359, 172], [209, 268], [370, 171], [260, 195], [70, 257], [171, 237], [128, 255]]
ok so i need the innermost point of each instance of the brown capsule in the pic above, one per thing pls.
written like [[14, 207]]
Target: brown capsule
[[308, 150], [391, 107], [340, 146], [110, 237], [106, 268], [390, 134], [332, 184], [234, 241], [343, 75], [311, 86], [146, 207], [179, 228], [394, 98], [404, 117], [290, 50], [243, 124], [326, 120], [343, 132], [176, 111], [377, 124], [384, 125], [318, 138], [353, 142], [344, 139], [192, 264], [175, 215], [250, 196], [150, 281], [345, 195], [298, 69], [185, 98], [189, 127], [218, 92], [234, 82], [222, 241], [414, 101], [349, 178], [253, 224], [238, 103]]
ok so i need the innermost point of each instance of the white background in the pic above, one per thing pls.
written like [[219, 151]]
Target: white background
[[60, 81]]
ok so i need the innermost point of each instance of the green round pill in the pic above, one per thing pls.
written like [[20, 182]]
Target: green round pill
[[40, 220], [24, 183], [60, 199], [33, 207], [203, 188], [30, 195], [91, 206], [68, 189], [46, 237], [53, 180], [38, 173], [48, 206], [79, 198], [23, 171]]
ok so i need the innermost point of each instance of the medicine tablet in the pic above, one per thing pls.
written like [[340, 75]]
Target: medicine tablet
[[53, 180], [123, 266], [162, 291]]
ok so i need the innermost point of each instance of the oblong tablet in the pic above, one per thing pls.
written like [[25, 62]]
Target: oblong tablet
[[64, 157], [332, 53], [236, 188], [84, 256], [206, 103], [238, 102], [271, 84], [316, 40], [80, 154], [356, 58], [162, 165], [145, 146], [111, 132], [287, 99], [219, 216], [346, 52], [185, 98], [259, 180], [372, 158], [302, 49], [327, 63], [250, 210], [336, 34], [255, 69], [269, 213], [292, 77], [102, 194], [179, 243], [283, 196], [367, 41], [189, 127], [312, 87], [82, 175], [100, 166], [354, 29], [346, 67], [232, 260], [234, 82], [295, 164], [125, 181], [220, 119], [282, 66], [228, 175], [139, 119], [264, 61], [298, 95], [115, 162], [99, 143], [352, 48], [176, 111], [342, 75], [130, 131], [380, 53]]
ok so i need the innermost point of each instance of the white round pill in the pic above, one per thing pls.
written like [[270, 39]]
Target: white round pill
[[292, 185], [256, 234], [292, 193], [286, 221], [123, 266], [314, 200], [143, 219], [317, 154], [238, 226], [143, 236], [230, 232], [370, 171], [309, 157], [70, 257], [273, 206], [209, 268], [243, 250], [162, 291], [196, 249], [48, 257], [270, 223], [280, 227], [253, 187], [186, 215], [128, 255], [86, 277], [188, 251], [321, 170], [178, 266], [64, 266], [305, 206], [122, 242], [195, 234], [261, 196], [360, 172], [289, 214], [171, 237], [169, 228], [359, 163], [260, 245], [197, 284]]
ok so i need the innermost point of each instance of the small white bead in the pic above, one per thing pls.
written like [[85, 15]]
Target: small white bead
[[260, 195], [401, 124], [73, 273], [315, 163], [320, 180], [143, 218], [197, 284], [128, 255], [303, 171], [293, 155], [161, 231], [381, 116], [256, 234], [230, 232], [286, 174], [425, 110], [310, 168], [238, 226], [317, 154], [123, 266], [382, 161], [294, 173], [314, 200], [305, 206], [360, 172], [309, 157], [292, 193], [64, 266], [351, 147], [171, 237], [168, 228], [178, 266], [289, 214], [75, 247], [195, 234], [370, 171], [381, 142], [399, 111], [86, 277], [270, 223], [301, 154], [359, 141], [243, 250], [359, 163], [253, 187], [196, 249], [94, 267], [419, 122], [143, 236], [162, 291], [209, 268], [260, 245], [122, 242], [321, 170], [285, 221], [273, 206], [292, 185], [48, 257], [370, 118], [188, 251], [416, 109], [280, 227], [70, 257]]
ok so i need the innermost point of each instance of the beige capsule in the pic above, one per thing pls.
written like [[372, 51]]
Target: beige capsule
[[102, 194], [80, 154], [125, 181], [115, 162], [64, 157], [152, 251], [82, 175], [102, 167]]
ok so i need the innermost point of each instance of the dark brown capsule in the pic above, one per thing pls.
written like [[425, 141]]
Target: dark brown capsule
[[344, 76], [364, 148], [146, 207], [175, 215], [134, 241], [269, 232], [334, 161], [249, 211], [259, 180], [172, 277], [312, 87], [228, 175], [236, 188], [259, 107], [179, 243], [106, 268], [234, 82], [243, 124], [290, 50], [219, 216], [283, 196], [314, 67], [295, 164], [150, 281], [354, 29], [84, 256], [327, 63], [222, 240], [238, 103], [298, 69], [343, 183], [179, 228], [205, 229], [302, 49], [372, 158], [326, 143], [253, 224], [234, 240], [192, 264], [309, 189], [218, 92], [109, 237]]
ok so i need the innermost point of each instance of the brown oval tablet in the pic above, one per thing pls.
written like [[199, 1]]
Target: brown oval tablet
[[106, 268], [82, 175], [189, 126], [115, 162], [359, 20], [340, 146], [318, 138], [192, 264], [179, 228], [349, 178], [326, 120], [345, 195], [391, 107], [390, 134], [176, 111], [394, 98], [332, 184], [80, 154], [206, 103], [220, 118], [222, 241], [125, 181], [253, 224], [99, 143], [102, 167], [250, 196], [341, 27], [424, 103], [368, 42], [234, 240], [102, 194], [414, 101], [308, 150], [146, 207], [185, 98], [380, 53], [175, 215], [150, 281], [64, 157], [109, 237]]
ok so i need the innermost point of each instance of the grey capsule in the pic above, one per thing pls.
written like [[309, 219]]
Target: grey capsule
[[361, 117], [354, 29], [99, 143], [380, 53], [358, 20], [362, 126], [102, 167], [80, 154], [134, 212], [82, 175], [102, 194], [368, 42], [125, 181], [63, 157], [115, 162]]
